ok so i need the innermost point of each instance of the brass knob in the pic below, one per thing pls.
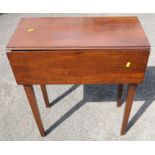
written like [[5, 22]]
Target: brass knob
[[128, 64], [30, 30]]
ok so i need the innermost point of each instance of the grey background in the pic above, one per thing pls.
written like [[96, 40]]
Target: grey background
[[80, 112]]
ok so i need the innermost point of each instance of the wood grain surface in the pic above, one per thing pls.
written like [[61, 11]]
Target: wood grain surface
[[78, 33], [79, 67]]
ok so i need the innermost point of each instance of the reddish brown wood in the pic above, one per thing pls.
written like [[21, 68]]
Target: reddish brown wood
[[79, 67], [128, 106], [33, 103], [78, 33], [119, 95], [79, 50], [45, 95]]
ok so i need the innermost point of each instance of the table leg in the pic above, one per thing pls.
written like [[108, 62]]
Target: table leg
[[45, 95], [119, 95], [34, 107], [128, 106]]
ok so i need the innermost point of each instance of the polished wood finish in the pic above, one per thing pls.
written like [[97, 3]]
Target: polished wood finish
[[34, 107], [45, 95], [79, 50], [119, 95], [79, 67], [78, 33], [130, 96]]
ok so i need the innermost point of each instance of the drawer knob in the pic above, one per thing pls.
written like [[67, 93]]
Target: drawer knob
[[128, 64], [30, 30]]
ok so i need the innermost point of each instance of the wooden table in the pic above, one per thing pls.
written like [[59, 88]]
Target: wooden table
[[79, 50]]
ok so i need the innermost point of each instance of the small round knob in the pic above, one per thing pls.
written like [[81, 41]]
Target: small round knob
[[30, 29], [128, 64]]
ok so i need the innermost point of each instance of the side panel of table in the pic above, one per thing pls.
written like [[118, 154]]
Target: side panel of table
[[79, 66]]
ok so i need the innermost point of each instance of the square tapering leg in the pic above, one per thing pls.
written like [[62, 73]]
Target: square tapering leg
[[34, 107], [130, 96], [119, 95], [45, 95]]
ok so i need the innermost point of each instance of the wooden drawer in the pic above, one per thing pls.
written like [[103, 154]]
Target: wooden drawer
[[79, 66]]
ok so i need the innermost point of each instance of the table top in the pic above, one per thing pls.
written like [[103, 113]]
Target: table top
[[78, 33]]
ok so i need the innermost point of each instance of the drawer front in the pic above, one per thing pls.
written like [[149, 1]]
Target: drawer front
[[79, 66]]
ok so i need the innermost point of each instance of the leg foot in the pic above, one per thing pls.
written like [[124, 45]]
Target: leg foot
[[128, 106], [34, 107]]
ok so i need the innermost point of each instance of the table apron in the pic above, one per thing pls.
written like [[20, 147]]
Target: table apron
[[79, 66]]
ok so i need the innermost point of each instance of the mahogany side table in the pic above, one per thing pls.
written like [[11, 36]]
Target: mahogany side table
[[79, 50]]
